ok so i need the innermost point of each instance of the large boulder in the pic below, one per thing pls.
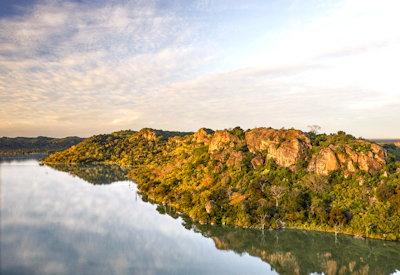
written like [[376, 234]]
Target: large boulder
[[235, 159], [148, 134], [345, 157], [286, 147], [203, 135], [288, 153], [257, 161], [324, 162], [261, 139], [223, 139]]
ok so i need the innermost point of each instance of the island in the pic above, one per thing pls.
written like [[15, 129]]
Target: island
[[261, 178]]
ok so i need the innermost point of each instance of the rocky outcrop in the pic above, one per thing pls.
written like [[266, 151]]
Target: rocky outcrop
[[148, 134], [235, 159], [397, 144], [286, 147], [345, 157], [324, 162], [222, 139], [209, 206], [203, 135], [257, 161]]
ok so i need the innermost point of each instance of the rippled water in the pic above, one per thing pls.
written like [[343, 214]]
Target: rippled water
[[90, 220]]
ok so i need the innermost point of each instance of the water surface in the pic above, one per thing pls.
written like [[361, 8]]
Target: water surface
[[90, 220]]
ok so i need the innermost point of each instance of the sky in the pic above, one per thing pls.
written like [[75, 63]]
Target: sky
[[89, 67]]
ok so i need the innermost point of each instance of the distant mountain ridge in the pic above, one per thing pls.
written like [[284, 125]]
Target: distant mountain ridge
[[29, 145], [261, 177]]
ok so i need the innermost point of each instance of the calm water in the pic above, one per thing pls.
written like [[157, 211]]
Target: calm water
[[90, 220]]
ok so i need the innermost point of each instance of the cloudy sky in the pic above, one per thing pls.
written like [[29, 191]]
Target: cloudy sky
[[88, 67]]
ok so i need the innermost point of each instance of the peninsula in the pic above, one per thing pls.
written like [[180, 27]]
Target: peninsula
[[259, 178]]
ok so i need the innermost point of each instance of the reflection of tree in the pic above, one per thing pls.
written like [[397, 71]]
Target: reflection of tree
[[94, 174], [287, 251], [304, 252]]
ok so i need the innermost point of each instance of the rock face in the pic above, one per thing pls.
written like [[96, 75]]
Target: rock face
[[290, 147], [222, 139], [286, 147], [203, 135], [344, 157], [397, 144], [324, 163], [235, 159], [148, 134], [257, 161], [209, 207]]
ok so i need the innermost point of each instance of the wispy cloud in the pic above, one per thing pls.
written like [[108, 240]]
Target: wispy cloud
[[84, 68]]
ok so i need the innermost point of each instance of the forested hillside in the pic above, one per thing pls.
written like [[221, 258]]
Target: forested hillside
[[259, 178]]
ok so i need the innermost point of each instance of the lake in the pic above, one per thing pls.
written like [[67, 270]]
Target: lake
[[91, 220]]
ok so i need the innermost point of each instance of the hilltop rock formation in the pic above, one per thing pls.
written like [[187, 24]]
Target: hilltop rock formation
[[223, 139], [203, 135], [290, 147], [324, 162], [336, 157], [286, 147], [148, 134]]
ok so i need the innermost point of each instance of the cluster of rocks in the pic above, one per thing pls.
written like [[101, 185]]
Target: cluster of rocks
[[287, 147], [336, 157]]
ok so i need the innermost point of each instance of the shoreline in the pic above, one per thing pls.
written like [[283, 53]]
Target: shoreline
[[305, 227]]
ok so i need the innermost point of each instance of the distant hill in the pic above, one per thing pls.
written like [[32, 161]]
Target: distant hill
[[20, 146], [385, 141]]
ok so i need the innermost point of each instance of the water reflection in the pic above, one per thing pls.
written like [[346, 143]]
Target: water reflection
[[55, 223], [299, 252], [94, 174], [290, 251]]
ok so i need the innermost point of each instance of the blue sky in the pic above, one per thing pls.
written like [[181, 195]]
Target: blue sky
[[88, 67]]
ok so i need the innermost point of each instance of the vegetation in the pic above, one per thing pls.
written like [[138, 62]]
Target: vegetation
[[300, 252], [20, 146], [225, 187]]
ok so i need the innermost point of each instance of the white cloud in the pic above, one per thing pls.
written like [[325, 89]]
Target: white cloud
[[73, 68]]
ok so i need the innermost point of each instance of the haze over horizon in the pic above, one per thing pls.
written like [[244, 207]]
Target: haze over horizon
[[89, 67]]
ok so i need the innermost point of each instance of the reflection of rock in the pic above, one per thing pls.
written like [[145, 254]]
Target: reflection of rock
[[94, 174]]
